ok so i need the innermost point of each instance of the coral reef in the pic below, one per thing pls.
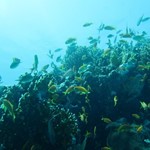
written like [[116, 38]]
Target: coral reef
[[80, 102]]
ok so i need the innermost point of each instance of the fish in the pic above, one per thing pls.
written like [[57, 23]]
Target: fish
[[109, 28], [141, 19], [90, 38], [147, 141], [50, 55], [106, 120], [44, 68], [8, 106], [94, 131], [58, 59], [58, 50], [52, 88], [83, 117], [145, 19], [15, 63], [93, 41], [69, 90], [101, 27], [87, 24], [83, 68], [126, 35], [110, 35], [124, 127], [50, 83], [81, 90], [70, 40], [36, 62], [105, 148], [115, 100], [136, 116], [118, 31], [143, 105], [140, 129]]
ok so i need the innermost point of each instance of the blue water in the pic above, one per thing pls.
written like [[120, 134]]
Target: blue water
[[35, 27]]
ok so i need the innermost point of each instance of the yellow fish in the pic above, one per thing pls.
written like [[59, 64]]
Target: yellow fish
[[8, 106], [69, 90], [83, 68], [52, 89], [115, 100], [106, 120], [139, 129], [94, 131], [105, 148], [83, 117], [81, 89], [143, 105], [136, 116], [124, 127]]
